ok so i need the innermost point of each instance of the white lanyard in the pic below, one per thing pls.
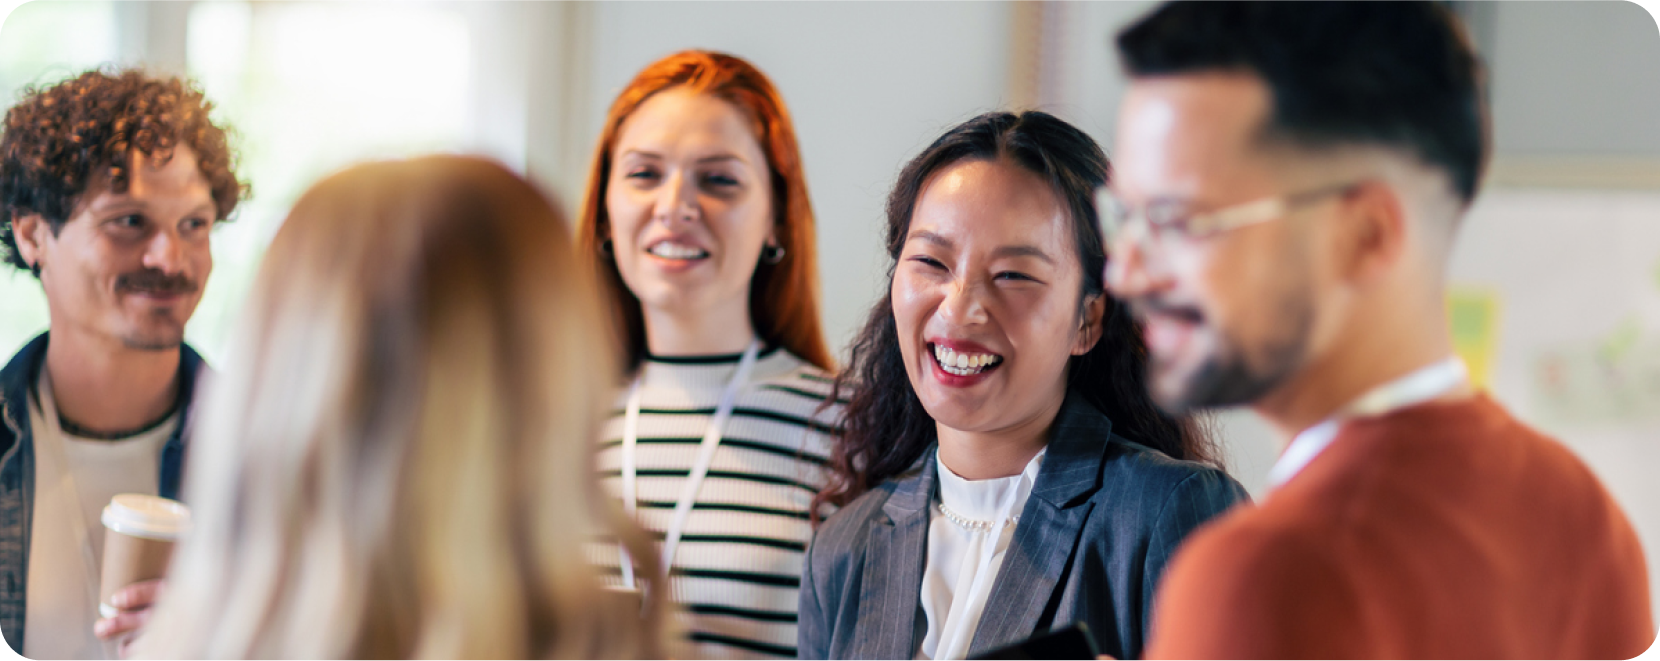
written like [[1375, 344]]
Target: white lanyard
[[1420, 386], [700, 469], [51, 453]]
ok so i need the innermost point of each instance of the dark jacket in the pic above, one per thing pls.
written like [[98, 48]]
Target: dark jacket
[[1104, 518], [17, 472]]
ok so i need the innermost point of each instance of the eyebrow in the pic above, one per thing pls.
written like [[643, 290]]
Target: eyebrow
[[1022, 250], [1018, 250], [124, 203], [706, 159], [930, 237]]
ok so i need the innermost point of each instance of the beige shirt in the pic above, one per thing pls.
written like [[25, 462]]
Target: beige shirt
[[61, 597]]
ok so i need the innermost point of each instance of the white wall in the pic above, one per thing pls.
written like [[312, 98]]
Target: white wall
[[1575, 77], [1576, 274]]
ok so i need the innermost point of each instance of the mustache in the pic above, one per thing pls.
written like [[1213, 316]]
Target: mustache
[[156, 282], [1150, 305]]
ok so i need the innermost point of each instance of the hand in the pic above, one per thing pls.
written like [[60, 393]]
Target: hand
[[134, 602]]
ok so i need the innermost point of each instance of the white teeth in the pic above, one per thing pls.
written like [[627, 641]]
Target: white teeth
[[672, 250], [962, 364]]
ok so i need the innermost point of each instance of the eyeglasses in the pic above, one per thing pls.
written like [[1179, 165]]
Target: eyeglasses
[[1165, 223]]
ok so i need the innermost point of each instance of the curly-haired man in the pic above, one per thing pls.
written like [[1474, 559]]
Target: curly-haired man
[[109, 186]]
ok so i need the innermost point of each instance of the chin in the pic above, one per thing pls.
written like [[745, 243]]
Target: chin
[[1171, 387], [152, 343], [157, 337], [957, 414]]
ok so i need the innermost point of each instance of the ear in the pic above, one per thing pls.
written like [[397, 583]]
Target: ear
[[29, 230], [1374, 232], [1089, 330]]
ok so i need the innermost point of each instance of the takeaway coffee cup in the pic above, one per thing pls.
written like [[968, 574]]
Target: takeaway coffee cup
[[139, 533]]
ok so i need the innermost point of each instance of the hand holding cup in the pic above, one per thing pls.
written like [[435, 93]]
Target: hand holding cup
[[140, 532]]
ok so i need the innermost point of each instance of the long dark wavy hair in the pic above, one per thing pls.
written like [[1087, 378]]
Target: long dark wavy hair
[[886, 427]]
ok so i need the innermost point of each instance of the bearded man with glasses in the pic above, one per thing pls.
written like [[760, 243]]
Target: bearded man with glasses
[[1289, 180]]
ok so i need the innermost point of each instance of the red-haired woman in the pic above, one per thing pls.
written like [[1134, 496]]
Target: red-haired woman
[[698, 221]]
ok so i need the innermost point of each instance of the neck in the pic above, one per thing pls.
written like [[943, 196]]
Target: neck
[[719, 330], [993, 454], [104, 386], [1382, 346]]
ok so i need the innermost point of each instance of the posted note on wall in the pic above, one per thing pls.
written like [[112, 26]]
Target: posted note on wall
[[1474, 316]]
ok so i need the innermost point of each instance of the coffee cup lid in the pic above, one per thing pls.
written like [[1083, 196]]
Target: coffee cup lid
[[151, 517]]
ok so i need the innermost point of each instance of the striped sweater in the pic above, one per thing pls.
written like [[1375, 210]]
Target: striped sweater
[[736, 574]]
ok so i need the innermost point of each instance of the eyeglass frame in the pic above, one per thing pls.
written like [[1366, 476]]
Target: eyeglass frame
[[1208, 223]]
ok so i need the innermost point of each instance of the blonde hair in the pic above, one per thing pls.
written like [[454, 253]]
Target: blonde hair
[[398, 458]]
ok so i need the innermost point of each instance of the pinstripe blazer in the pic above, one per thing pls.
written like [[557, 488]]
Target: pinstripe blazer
[[1104, 517]]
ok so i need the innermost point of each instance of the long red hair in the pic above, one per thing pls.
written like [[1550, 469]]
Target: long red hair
[[783, 297]]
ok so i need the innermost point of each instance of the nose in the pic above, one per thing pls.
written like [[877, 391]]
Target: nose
[[165, 252], [962, 305], [676, 200]]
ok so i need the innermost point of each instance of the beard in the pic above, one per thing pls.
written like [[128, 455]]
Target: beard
[[1232, 372], [161, 331], [166, 337]]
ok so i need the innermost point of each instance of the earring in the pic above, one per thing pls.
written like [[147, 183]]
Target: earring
[[606, 249], [772, 253]]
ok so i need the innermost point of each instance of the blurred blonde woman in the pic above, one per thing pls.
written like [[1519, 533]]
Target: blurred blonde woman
[[396, 461]]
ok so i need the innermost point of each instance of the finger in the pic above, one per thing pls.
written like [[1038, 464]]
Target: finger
[[123, 623], [136, 596]]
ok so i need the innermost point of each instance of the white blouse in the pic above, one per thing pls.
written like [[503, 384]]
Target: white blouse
[[970, 528]]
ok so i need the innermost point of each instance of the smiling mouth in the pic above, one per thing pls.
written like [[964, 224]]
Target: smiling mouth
[[679, 251], [964, 364]]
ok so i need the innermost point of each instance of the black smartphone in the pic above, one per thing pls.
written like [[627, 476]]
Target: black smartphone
[[1069, 642]]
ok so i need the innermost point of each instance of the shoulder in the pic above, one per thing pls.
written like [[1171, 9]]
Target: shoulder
[[1249, 588], [1164, 482], [798, 388], [845, 531], [1248, 549], [15, 380], [23, 366], [790, 375]]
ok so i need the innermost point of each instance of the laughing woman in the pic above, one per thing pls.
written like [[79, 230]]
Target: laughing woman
[[698, 218], [1003, 469]]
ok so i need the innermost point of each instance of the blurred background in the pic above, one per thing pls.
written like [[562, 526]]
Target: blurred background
[[1556, 304]]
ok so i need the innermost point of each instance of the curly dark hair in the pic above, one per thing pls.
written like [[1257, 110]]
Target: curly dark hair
[[887, 428], [55, 137]]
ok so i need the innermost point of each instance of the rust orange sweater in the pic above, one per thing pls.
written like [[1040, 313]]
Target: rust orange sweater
[[1442, 530]]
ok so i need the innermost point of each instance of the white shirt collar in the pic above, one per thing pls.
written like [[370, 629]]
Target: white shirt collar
[[992, 499], [1422, 385]]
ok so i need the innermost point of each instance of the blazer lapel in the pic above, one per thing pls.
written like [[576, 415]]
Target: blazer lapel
[[891, 587], [1050, 524]]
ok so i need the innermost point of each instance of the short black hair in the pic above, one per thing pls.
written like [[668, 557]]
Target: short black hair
[[56, 138], [1401, 75]]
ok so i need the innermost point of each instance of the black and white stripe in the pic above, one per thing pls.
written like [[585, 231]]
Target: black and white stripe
[[739, 564]]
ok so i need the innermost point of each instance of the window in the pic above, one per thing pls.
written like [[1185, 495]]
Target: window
[[307, 88], [42, 43]]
